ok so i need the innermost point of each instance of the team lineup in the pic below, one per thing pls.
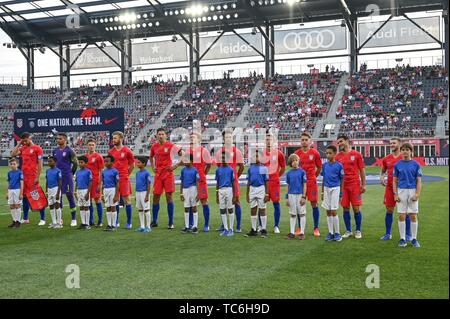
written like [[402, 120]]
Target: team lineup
[[106, 182]]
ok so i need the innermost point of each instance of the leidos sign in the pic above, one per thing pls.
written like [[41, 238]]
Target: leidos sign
[[399, 32], [231, 46]]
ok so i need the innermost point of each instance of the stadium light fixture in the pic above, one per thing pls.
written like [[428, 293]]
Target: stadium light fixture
[[42, 50], [254, 31], [174, 38]]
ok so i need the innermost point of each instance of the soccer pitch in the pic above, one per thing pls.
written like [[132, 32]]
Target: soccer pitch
[[168, 264]]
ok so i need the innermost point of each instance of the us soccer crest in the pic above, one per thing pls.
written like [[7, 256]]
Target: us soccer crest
[[19, 123], [352, 158], [166, 149], [311, 157], [93, 160], [64, 153], [34, 195], [122, 155]]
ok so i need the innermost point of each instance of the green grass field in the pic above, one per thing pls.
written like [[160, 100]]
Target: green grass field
[[168, 264]]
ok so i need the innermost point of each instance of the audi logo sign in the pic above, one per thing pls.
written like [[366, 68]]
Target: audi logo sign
[[310, 40]]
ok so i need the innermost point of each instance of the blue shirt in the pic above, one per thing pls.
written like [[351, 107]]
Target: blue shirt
[[14, 178], [295, 179], [407, 173], [189, 176], [143, 179], [332, 174], [53, 176], [110, 177], [257, 175], [224, 176], [83, 178]]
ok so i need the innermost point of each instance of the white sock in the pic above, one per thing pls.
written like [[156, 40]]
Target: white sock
[[58, 216], [142, 219], [114, 219], [147, 215], [86, 217], [195, 220], [414, 226], [186, 220], [231, 220], [18, 214], [402, 229], [53, 215], [336, 224], [109, 218], [302, 223], [224, 221], [330, 220], [263, 222], [13, 214], [254, 220], [293, 221]]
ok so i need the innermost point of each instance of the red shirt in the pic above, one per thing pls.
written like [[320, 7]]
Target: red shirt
[[310, 161], [95, 164], [163, 155], [352, 162], [388, 163], [123, 158], [31, 155], [202, 157], [234, 157], [274, 160]]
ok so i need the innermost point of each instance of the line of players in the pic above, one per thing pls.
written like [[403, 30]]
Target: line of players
[[107, 180]]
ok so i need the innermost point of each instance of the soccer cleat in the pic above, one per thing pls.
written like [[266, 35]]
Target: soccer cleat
[[386, 237], [258, 229], [17, 224], [251, 233], [41, 223], [316, 232], [358, 234], [330, 237], [98, 225], [147, 229], [224, 233], [221, 229], [108, 228], [87, 227], [297, 231], [73, 223], [153, 224], [238, 230], [51, 225], [170, 227], [12, 224], [347, 234], [206, 229], [140, 230], [92, 224], [25, 221], [276, 230], [58, 226], [114, 228], [128, 226], [194, 230], [81, 226], [117, 226], [402, 243], [230, 233], [415, 243], [301, 236], [185, 230], [290, 236], [337, 237], [263, 233], [408, 238]]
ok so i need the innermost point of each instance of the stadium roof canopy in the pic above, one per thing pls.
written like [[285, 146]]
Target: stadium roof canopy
[[55, 22]]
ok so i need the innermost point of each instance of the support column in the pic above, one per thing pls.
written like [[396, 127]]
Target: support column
[[30, 68], [196, 45], [191, 58], [272, 51], [267, 54], [353, 44], [64, 69], [446, 35], [126, 62]]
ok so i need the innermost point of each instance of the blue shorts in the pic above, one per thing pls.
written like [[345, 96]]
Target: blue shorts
[[67, 184]]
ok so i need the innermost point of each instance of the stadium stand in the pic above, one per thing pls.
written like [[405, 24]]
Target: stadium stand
[[213, 102], [403, 101], [293, 103]]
